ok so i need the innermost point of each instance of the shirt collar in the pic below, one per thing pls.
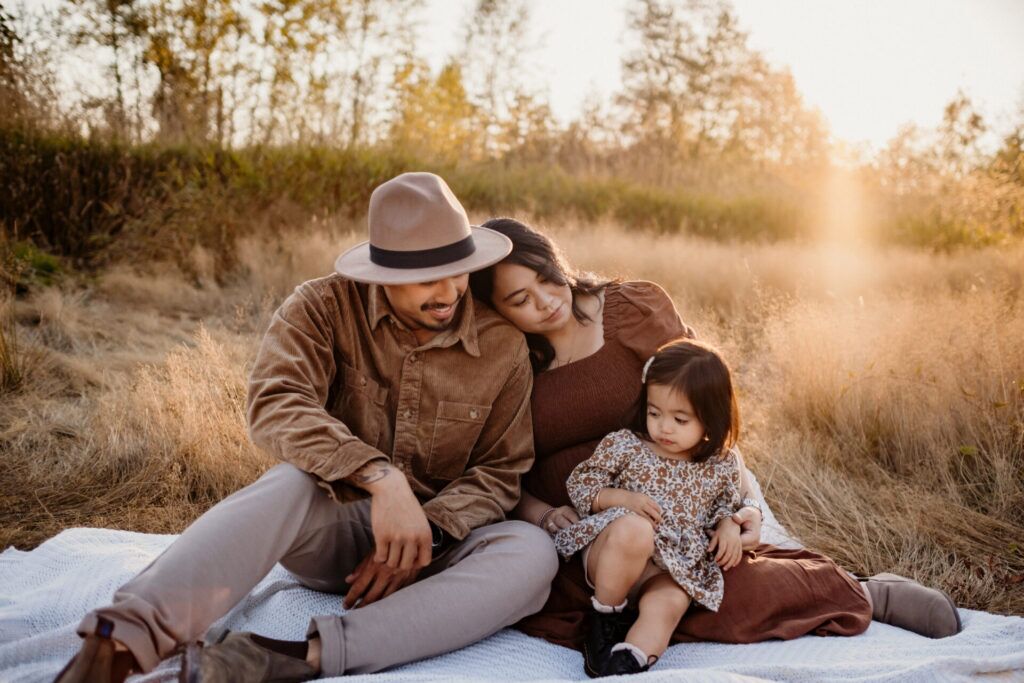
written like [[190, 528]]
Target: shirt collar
[[465, 331]]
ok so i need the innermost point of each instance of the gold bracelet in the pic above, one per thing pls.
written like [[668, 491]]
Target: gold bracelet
[[596, 502], [544, 517]]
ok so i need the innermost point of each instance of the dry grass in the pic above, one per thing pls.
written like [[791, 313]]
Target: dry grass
[[882, 392]]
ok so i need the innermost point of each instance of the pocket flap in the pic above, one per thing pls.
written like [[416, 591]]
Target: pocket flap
[[363, 384], [462, 412]]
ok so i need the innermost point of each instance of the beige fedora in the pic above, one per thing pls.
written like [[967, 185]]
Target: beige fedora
[[419, 232]]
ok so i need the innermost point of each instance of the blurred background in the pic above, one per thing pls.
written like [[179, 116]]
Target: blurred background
[[833, 192]]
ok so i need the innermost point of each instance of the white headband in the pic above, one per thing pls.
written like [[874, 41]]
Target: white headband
[[647, 366]]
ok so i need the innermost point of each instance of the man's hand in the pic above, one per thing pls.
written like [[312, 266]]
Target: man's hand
[[400, 529], [749, 520], [725, 543], [373, 581], [640, 503]]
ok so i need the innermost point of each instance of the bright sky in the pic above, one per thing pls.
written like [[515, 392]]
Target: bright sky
[[868, 65]]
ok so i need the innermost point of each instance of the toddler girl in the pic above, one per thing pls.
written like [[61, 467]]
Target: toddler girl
[[649, 499]]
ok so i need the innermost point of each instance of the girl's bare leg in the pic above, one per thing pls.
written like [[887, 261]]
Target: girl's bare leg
[[662, 605], [618, 558]]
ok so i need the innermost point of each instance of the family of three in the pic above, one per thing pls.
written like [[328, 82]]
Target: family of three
[[456, 409]]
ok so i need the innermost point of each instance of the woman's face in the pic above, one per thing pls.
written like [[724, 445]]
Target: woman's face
[[529, 301]]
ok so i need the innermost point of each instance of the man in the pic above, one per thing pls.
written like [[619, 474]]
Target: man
[[384, 380]]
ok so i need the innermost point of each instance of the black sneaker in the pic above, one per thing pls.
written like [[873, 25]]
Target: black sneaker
[[606, 630], [623, 662]]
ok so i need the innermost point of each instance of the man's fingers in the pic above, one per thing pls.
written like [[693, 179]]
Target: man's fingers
[[424, 556], [394, 555], [373, 593], [407, 559], [363, 578], [380, 555]]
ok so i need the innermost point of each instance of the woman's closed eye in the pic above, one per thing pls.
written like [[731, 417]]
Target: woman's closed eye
[[521, 301]]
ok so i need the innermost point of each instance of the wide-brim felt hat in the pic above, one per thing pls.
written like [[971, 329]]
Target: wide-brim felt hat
[[419, 232]]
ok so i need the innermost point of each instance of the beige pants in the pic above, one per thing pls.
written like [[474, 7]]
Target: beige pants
[[494, 577]]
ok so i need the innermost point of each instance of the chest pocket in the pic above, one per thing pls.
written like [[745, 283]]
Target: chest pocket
[[456, 429], [360, 405]]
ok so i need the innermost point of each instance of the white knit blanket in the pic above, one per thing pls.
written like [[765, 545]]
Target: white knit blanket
[[45, 592]]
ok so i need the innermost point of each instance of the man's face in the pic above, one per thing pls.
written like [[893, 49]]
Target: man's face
[[427, 308]]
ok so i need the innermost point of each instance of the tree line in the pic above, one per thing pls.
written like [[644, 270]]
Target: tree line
[[350, 72]]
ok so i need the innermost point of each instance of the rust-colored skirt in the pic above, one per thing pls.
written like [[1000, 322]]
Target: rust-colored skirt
[[771, 593]]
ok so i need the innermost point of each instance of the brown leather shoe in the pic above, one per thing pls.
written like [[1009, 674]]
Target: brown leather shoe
[[905, 603], [238, 658], [98, 660]]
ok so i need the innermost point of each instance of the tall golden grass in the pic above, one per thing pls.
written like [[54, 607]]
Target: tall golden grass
[[882, 391]]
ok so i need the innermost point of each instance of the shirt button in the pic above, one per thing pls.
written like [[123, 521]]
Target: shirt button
[[473, 414], [362, 381], [414, 358], [407, 414]]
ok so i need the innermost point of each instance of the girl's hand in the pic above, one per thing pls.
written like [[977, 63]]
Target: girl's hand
[[725, 543], [559, 518], [640, 503]]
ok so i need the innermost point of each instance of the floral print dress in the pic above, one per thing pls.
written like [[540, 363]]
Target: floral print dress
[[693, 497]]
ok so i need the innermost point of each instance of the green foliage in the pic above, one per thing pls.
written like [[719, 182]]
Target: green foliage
[[31, 265]]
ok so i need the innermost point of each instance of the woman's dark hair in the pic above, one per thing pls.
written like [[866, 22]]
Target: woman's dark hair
[[535, 251], [699, 372]]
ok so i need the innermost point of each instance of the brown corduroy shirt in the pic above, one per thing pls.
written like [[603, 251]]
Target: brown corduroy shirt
[[339, 381]]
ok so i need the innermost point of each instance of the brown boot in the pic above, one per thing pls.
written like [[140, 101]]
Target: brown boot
[[905, 603], [98, 661], [239, 658]]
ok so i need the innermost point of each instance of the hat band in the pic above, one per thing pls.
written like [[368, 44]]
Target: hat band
[[423, 258]]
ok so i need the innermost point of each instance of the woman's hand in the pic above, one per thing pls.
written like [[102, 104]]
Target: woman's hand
[[640, 503], [749, 520], [556, 519], [725, 543]]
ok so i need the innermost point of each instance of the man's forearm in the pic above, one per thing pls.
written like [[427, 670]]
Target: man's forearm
[[371, 475]]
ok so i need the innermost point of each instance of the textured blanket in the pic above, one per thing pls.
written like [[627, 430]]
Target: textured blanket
[[45, 592]]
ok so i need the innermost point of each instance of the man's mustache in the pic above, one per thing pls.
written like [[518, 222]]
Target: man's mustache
[[428, 307]]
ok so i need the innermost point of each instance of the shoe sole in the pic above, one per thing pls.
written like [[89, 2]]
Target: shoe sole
[[586, 664]]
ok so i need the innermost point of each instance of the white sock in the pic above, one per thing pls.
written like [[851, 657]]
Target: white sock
[[607, 609], [641, 658]]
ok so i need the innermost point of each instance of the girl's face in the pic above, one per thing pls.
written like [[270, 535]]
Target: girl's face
[[529, 301], [671, 421]]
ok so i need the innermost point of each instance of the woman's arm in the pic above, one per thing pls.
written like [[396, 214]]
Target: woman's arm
[[749, 518], [535, 511]]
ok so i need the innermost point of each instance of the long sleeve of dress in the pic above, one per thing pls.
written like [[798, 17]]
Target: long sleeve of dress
[[728, 501], [596, 472]]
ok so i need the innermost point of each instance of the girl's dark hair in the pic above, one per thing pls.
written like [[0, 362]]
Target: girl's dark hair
[[697, 371], [535, 251]]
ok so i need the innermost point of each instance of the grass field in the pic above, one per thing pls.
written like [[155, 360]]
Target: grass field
[[882, 392]]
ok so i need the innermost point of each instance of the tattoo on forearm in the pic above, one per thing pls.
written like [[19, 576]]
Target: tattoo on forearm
[[370, 472]]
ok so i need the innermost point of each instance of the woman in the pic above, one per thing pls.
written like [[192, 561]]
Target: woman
[[589, 340]]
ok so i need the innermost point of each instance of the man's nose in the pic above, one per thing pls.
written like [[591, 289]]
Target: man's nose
[[447, 291]]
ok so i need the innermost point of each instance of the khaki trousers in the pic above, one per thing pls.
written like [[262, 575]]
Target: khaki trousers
[[491, 579]]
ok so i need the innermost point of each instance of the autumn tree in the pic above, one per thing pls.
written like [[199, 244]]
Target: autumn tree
[[117, 28], [495, 72], [435, 119]]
